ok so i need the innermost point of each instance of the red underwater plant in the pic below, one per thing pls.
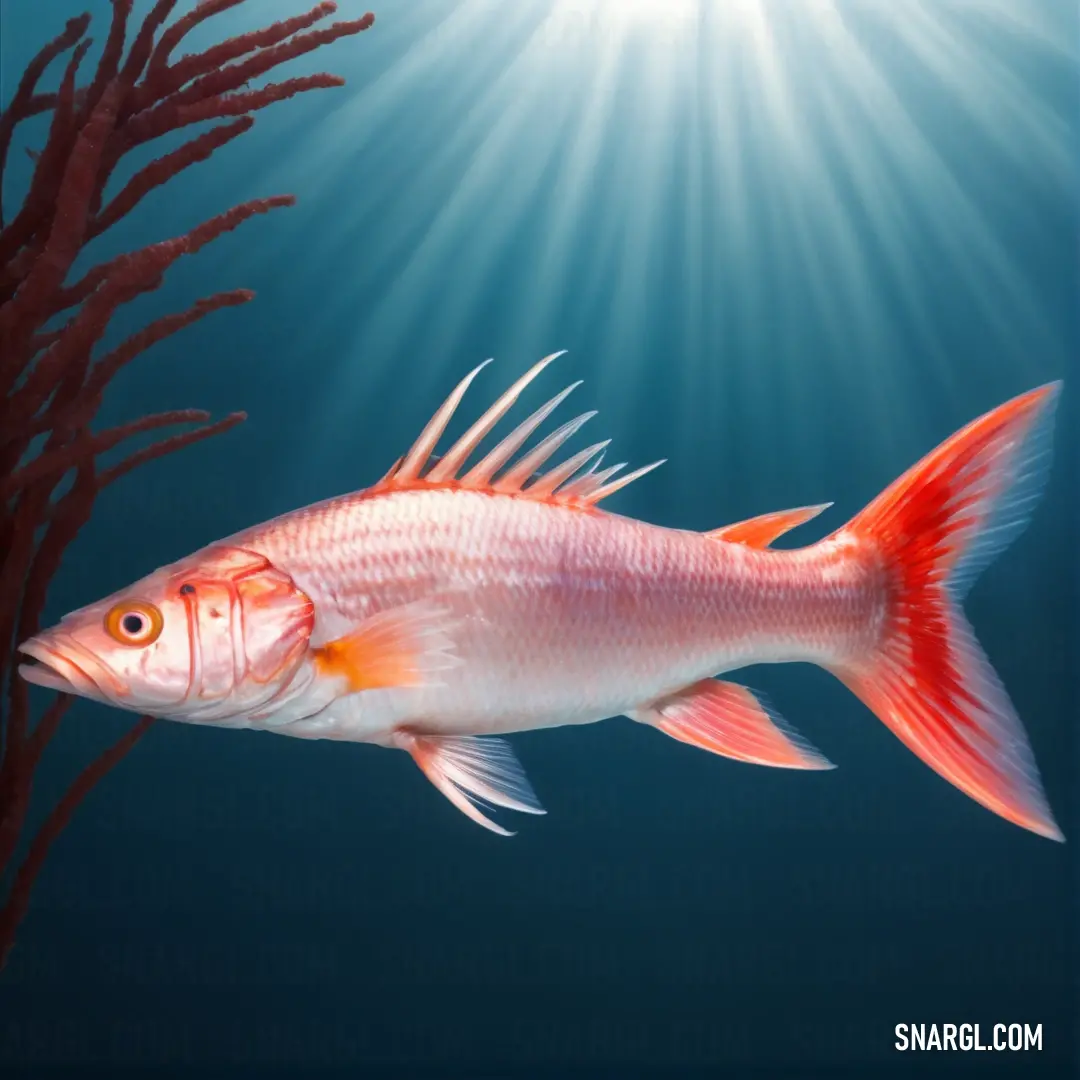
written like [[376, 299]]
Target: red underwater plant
[[51, 383]]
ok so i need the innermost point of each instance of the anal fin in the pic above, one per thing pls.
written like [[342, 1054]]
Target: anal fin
[[471, 771], [730, 720]]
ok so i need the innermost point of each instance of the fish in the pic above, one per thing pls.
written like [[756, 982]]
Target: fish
[[451, 604]]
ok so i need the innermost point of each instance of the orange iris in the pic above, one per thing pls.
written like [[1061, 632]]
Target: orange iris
[[134, 623]]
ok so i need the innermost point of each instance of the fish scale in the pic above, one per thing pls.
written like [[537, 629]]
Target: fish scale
[[580, 613]]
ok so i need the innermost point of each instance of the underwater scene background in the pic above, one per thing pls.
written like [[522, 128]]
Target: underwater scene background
[[790, 246]]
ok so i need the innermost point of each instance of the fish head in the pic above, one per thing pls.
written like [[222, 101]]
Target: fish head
[[214, 636]]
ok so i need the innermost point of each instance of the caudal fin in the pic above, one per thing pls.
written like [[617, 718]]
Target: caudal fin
[[933, 531]]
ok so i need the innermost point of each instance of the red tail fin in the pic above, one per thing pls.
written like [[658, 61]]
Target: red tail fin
[[935, 529]]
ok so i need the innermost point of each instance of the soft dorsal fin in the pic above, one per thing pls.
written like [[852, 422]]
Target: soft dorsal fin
[[563, 483], [761, 531]]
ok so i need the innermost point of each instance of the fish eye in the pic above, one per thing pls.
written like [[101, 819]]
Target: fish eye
[[134, 623]]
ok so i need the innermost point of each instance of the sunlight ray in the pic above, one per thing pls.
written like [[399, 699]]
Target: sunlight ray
[[772, 166], [999, 103], [970, 243]]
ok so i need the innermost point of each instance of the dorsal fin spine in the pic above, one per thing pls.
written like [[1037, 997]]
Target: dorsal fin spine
[[551, 480], [616, 485], [480, 475], [584, 485], [559, 484], [516, 477], [421, 449], [454, 458]]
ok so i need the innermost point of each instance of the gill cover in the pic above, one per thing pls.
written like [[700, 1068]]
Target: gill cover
[[250, 622]]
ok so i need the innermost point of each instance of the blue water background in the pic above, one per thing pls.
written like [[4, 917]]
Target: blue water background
[[790, 247]]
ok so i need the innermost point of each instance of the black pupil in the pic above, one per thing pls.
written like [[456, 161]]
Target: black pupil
[[132, 624], [186, 590]]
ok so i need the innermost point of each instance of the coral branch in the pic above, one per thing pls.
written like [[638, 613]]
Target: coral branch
[[166, 326], [60, 460], [20, 317], [191, 67], [163, 169], [24, 104], [51, 386], [46, 728], [143, 46], [18, 901], [169, 446], [182, 27], [50, 170], [126, 277], [189, 244], [109, 64], [172, 115], [223, 80], [67, 417]]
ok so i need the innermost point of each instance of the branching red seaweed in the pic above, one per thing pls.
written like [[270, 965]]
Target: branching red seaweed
[[51, 381]]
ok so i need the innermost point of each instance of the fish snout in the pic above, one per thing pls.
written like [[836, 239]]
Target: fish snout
[[66, 667]]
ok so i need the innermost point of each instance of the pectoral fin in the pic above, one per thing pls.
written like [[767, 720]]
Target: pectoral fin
[[400, 647], [728, 719], [470, 771]]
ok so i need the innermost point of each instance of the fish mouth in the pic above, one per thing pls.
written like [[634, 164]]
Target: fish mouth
[[55, 670]]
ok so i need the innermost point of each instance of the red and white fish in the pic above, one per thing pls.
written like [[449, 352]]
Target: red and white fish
[[448, 605]]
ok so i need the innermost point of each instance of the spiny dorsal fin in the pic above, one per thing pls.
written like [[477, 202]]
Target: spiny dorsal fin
[[421, 467], [761, 531], [417, 456]]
